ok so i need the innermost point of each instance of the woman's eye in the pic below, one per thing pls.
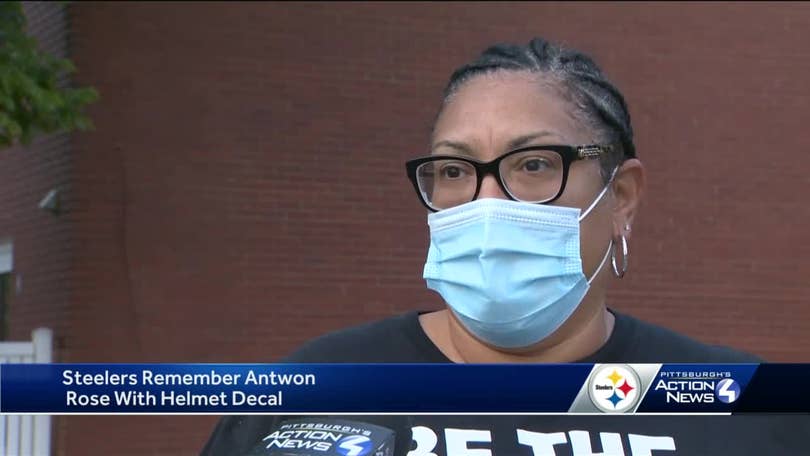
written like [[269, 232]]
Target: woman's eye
[[452, 172], [535, 165]]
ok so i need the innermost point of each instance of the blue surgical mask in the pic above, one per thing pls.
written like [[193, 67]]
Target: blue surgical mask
[[510, 271]]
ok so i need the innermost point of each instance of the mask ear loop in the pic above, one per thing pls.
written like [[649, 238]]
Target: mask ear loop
[[588, 211], [604, 260], [600, 196]]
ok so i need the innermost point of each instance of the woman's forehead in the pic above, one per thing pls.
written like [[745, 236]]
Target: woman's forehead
[[493, 109]]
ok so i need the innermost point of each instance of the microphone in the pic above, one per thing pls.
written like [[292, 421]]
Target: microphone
[[326, 437]]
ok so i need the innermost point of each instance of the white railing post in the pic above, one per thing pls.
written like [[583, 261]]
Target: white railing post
[[43, 353], [43, 345]]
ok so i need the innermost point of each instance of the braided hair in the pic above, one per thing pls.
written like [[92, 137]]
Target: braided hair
[[597, 102]]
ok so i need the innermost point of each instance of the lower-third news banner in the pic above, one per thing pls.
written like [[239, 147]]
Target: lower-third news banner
[[402, 388]]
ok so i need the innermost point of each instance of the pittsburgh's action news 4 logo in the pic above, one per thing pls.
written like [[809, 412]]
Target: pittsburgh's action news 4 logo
[[697, 387], [320, 440], [327, 437], [614, 388]]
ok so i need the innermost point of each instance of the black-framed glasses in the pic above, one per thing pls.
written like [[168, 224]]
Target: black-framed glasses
[[534, 174]]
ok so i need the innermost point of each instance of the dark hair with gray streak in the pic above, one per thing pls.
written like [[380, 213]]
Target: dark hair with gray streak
[[597, 102]]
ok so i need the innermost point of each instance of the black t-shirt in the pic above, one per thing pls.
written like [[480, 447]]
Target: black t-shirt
[[401, 339]]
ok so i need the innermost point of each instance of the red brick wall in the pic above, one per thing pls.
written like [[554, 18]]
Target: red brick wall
[[244, 190]]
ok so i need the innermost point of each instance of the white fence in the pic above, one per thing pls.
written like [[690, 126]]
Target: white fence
[[26, 435]]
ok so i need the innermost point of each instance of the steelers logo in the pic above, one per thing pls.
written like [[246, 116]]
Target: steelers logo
[[614, 388]]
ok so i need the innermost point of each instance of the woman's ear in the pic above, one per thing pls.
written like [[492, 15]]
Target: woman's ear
[[628, 188]]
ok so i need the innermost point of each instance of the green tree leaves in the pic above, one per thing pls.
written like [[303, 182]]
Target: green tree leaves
[[31, 99]]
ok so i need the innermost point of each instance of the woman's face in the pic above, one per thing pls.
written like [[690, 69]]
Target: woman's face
[[495, 113]]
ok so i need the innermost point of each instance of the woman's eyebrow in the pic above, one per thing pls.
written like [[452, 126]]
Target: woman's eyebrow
[[521, 141], [459, 147], [516, 143]]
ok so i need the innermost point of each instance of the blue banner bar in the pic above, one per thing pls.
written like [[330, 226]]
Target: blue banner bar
[[401, 388], [287, 388]]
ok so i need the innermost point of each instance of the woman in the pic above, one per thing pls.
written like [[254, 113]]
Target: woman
[[532, 186]]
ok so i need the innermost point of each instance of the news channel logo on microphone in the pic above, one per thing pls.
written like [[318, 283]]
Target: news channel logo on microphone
[[326, 437]]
